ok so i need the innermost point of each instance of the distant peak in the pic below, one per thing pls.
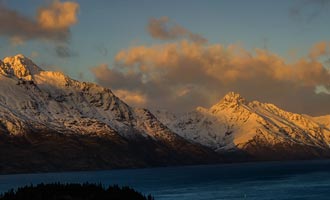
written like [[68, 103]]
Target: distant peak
[[18, 57], [233, 97], [19, 66], [21, 56], [230, 100]]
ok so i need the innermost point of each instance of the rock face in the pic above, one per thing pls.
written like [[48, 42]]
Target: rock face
[[261, 130], [50, 122]]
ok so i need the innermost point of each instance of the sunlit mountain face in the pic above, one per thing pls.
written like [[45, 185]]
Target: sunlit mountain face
[[262, 129], [61, 123], [176, 99], [104, 85]]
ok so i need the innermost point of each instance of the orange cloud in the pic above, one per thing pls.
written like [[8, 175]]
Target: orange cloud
[[183, 75], [58, 15], [52, 23], [320, 49], [164, 29], [132, 98], [224, 64]]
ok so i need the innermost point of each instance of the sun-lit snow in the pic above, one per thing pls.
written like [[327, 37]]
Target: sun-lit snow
[[32, 98], [234, 122]]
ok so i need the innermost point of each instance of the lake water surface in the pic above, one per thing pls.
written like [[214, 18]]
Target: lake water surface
[[272, 180]]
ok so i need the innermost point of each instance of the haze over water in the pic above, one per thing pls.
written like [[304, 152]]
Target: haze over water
[[273, 180]]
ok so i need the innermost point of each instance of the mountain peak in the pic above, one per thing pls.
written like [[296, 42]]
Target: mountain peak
[[230, 100], [233, 97], [19, 66]]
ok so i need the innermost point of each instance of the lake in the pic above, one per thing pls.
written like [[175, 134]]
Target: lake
[[269, 180]]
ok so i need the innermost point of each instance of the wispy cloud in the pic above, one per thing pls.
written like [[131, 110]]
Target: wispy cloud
[[103, 50], [164, 29], [308, 10], [63, 51], [320, 49]]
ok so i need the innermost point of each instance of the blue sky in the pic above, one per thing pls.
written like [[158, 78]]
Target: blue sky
[[116, 25], [106, 27]]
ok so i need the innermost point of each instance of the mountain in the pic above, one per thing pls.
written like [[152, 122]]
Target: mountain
[[261, 131], [49, 122]]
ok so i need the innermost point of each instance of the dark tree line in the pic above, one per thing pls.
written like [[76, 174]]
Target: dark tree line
[[86, 191]]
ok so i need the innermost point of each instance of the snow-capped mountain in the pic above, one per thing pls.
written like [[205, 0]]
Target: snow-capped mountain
[[35, 104], [50, 122], [256, 128], [45, 99]]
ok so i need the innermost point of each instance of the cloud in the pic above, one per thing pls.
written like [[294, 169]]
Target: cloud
[[103, 50], [58, 15], [327, 63], [51, 23], [182, 75], [308, 10], [164, 29], [320, 49], [63, 51], [106, 76], [133, 98]]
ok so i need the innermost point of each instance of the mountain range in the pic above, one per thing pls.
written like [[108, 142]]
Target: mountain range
[[50, 122], [262, 130]]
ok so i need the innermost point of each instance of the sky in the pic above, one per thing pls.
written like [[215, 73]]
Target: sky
[[178, 55]]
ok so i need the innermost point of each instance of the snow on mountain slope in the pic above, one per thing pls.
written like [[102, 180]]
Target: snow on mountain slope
[[323, 120], [62, 124], [45, 99], [58, 122], [236, 123]]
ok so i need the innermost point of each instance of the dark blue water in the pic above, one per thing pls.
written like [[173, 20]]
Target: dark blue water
[[275, 180]]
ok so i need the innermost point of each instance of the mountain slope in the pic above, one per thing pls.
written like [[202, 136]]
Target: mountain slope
[[259, 129], [49, 122]]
